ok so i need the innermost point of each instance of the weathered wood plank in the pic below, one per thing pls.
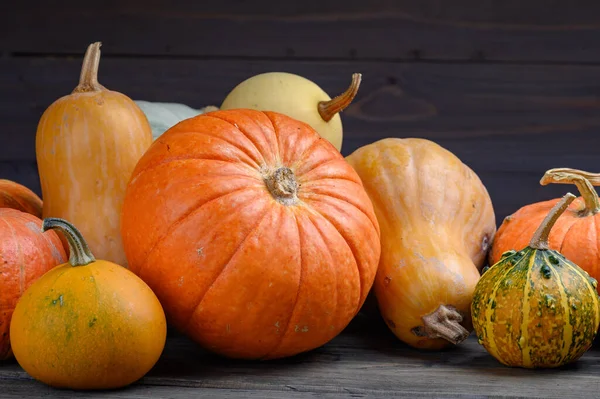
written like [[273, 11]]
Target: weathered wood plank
[[26, 390], [364, 360], [491, 105], [508, 123], [560, 31]]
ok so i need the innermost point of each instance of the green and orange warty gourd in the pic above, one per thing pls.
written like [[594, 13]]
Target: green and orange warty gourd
[[575, 234], [437, 223], [87, 324], [87, 145], [16, 196], [25, 254], [256, 235], [535, 308]]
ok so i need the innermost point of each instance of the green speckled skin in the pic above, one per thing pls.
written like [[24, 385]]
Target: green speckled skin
[[535, 309]]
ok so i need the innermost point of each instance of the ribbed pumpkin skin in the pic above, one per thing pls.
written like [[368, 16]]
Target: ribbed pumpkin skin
[[240, 272], [87, 146], [534, 309], [575, 236], [26, 254], [16, 196], [437, 222]]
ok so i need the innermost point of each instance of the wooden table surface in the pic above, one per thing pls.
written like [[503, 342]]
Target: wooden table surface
[[365, 361]]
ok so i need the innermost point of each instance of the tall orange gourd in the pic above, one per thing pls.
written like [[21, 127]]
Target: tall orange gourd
[[87, 145]]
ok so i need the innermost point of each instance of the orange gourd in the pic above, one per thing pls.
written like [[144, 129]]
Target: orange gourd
[[575, 234], [87, 145], [88, 323], [26, 254], [16, 196], [437, 223], [256, 235]]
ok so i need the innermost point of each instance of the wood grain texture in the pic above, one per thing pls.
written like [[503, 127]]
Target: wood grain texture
[[509, 123], [364, 361], [536, 30]]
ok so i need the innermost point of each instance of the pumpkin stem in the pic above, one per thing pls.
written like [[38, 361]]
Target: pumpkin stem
[[444, 323], [80, 254], [540, 237], [583, 181], [88, 79], [328, 109], [282, 185]]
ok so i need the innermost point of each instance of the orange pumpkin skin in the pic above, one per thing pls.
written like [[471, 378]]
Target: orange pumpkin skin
[[437, 223], [576, 232], [87, 144], [88, 325], [573, 235], [16, 196], [254, 232], [26, 254]]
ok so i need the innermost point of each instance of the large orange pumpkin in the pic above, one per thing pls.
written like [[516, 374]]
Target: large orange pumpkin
[[254, 232], [575, 234], [26, 253], [16, 196]]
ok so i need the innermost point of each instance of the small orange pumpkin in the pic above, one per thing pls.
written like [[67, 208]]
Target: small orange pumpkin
[[16, 196], [575, 234], [26, 254], [256, 235], [88, 323]]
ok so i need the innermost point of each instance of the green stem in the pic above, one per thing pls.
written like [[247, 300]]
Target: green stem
[[80, 254], [540, 237]]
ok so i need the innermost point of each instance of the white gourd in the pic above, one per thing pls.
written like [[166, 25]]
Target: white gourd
[[163, 115]]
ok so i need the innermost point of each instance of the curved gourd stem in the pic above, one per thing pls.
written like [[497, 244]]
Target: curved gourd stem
[[583, 182], [80, 254], [593, 178], [540, 237], [328, 109], [88, 79], [444, 323]]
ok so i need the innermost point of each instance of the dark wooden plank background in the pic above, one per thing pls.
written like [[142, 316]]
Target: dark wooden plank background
[[510, 87]]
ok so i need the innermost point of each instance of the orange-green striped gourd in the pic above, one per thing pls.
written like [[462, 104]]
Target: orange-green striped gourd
[[535, 308]]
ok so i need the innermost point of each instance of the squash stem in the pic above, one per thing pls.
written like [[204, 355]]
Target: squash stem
[[282, 185], [540, 237], [88, 79], [80, 254], [445, 323], [583, 181], [328, 109]]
